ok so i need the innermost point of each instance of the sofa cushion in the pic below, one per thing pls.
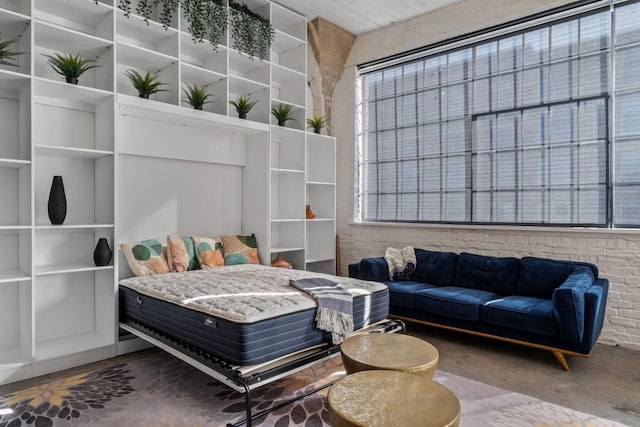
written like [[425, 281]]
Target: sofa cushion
[[524, 313], [401, 294], [438, 268], [569, 303], [452, 301], [491, 274], [540, 276]]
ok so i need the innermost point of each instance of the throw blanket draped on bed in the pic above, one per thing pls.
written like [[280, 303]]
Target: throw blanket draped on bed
[[335, 306]]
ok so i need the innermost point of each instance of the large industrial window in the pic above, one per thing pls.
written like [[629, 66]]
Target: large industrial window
[[537, 125]]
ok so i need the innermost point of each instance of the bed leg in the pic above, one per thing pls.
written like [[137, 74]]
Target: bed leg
[[247, 407]]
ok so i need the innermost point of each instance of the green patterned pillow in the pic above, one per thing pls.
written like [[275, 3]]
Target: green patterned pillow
[[145, 257], [209, 251], [181, 254], [240, 249]]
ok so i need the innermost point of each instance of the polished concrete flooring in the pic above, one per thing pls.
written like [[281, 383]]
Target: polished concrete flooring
[[607, 384]]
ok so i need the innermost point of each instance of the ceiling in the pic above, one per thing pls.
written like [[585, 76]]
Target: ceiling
[[361, 16]]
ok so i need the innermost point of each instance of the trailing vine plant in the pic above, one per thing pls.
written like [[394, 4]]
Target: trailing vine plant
[[207, 18], [251, 33]]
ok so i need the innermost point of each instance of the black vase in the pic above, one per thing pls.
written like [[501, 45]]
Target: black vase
[[102, 253], [57, 206], [72, 80]]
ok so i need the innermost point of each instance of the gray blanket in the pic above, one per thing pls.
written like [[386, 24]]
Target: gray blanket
[[335, 306]]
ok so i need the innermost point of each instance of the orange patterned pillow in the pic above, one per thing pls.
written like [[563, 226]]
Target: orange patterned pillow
[[209, 251], [240, 249], [181, 254]]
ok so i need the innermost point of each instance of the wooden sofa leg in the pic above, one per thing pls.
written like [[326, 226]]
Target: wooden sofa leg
[[561, 359]]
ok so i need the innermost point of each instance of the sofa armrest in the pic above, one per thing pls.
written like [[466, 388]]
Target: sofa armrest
[[375, 269], [595, 306], [569, 304]]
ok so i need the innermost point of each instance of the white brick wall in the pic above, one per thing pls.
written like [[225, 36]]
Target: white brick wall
[[616, 254]]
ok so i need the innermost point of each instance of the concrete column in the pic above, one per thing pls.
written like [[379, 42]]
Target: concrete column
[[329, 47]]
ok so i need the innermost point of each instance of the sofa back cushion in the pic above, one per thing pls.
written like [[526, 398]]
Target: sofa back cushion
[[492, 274], [540, 276], [436, 268]]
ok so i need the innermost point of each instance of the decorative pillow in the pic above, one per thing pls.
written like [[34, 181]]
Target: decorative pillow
[[209, 251], [145, 257], [240, 250], [181, 254], [401, 262]]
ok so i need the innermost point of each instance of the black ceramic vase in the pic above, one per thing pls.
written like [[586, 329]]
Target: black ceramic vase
[[57, 206], [102, 253]]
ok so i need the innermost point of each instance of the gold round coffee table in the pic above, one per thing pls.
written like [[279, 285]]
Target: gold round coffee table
[[393, 352], [389, 399]]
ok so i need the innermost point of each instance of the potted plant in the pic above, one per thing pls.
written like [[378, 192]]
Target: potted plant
[[243, 104], [316, 123], [283, 113], [70, 66], [145, 85], [196, 96], [6, 55]]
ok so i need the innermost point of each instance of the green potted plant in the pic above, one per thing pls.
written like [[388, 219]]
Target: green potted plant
[[243, 104], [70, 66], [316, 123], [283, 113], [145, 85], [7, 57], [196, 96]]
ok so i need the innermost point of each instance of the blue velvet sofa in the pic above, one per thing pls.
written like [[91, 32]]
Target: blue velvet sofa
[[544, 303]]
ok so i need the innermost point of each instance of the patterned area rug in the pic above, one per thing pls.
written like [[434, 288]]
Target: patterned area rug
[[156, 389]]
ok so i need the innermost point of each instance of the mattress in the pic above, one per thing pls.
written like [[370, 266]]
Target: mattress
[[242, 314]]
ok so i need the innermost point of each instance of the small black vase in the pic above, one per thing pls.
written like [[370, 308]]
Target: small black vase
[[57, 206], [102, 253], [72, 80]]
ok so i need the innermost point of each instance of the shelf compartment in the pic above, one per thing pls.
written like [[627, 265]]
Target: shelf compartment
[[51, 39], [202, 54], [287, 236], [89, 191], [15, 245], [288, 85], [240, 86], [154, 36], [251, 69], [15, 26], [86, 16], [287, 148], [216, 87], [15, 318], [326, 266], [287, 196], [15, 189], [321, 244], [73, 313], [293, 255], [297, 113], [68, 252], [288, 22], [322, 201], [321, 161], [164, 67], [289, 52]]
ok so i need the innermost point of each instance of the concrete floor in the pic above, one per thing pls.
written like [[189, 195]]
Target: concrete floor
[[607, 384]]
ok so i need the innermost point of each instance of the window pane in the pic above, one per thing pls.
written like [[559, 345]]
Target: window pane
[[516, 127]]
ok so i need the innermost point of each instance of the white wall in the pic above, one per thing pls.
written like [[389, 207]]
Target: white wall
[[616, 253]]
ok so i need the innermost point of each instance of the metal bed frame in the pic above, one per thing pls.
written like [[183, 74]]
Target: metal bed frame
[[244, 379]]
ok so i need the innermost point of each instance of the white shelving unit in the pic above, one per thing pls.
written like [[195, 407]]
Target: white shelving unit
[[137, 168]]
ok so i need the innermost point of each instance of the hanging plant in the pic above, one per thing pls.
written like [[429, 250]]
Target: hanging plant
[[251, 33], [207, 20]]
